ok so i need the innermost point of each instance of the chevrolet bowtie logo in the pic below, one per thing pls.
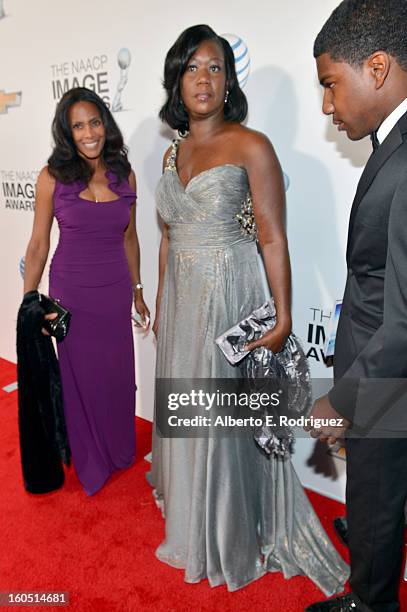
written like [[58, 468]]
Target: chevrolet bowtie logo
[[9, 99]]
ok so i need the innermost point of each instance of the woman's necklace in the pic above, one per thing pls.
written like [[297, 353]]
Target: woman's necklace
[[93, 195]]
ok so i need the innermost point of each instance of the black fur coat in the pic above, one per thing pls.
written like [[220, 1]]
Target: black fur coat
[[43, 438]]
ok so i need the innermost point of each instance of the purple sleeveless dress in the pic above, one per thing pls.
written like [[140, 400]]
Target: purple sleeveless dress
[[90, 276]]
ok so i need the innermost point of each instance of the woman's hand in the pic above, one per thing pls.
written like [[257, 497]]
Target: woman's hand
[[48, 317], [155, 326], [273, 339], [157, 316], [142, 310]]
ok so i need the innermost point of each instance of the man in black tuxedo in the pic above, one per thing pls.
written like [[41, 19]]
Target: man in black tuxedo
[[361, 55]]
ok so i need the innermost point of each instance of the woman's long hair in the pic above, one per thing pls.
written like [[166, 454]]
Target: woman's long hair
[[65, 164]]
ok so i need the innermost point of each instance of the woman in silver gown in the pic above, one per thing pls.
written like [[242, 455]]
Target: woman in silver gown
[[231, 513]]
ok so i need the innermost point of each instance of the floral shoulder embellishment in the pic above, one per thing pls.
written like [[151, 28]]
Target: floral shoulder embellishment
[[172, 157], [246, 218]]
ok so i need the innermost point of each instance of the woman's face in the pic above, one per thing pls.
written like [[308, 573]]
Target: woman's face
[[203, 84], [87, 129]]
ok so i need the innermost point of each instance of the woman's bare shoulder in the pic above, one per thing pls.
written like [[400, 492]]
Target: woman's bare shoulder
[[254, 145], [253, 137], [45, 181]]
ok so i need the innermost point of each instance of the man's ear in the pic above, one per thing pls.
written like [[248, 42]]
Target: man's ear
[[379, 65]]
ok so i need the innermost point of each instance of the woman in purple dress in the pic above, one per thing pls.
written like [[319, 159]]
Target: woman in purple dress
[[90, 188]]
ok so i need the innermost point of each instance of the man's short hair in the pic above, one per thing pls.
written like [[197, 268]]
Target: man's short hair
[[358, 28]]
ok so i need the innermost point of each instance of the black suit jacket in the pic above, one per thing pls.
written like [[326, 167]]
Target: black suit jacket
[[371, 342]]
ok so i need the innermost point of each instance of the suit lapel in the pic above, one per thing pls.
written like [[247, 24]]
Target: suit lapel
[[375, 162]]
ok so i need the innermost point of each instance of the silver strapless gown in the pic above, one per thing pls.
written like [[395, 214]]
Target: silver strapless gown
[[231, 514]]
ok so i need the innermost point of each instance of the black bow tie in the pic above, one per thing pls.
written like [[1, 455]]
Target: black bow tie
[[375, 140]]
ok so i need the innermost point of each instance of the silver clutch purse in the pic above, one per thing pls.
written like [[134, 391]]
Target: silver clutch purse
[[263, 369]]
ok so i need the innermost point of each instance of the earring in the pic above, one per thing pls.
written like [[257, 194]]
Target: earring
[[183, 132], [226, 96]]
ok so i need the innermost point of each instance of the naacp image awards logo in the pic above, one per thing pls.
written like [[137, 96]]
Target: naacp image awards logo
[[316, 334], [18, 189], [123, 60], [92, 72]]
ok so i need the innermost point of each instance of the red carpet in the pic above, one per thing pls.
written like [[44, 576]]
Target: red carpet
[[101, 549]]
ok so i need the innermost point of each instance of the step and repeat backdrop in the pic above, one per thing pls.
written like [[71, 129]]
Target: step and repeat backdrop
[[118, 50]]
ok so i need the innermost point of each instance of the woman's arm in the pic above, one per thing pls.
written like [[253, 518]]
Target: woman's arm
[[268, 195], [132, 249], [38, 247]]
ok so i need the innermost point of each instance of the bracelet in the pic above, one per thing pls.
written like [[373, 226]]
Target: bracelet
[[138, 286]]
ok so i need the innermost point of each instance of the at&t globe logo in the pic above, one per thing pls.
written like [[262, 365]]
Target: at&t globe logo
[[22, 267], [242, 57]]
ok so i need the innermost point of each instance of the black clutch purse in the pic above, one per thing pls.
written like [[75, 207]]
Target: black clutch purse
[[59, 326]]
